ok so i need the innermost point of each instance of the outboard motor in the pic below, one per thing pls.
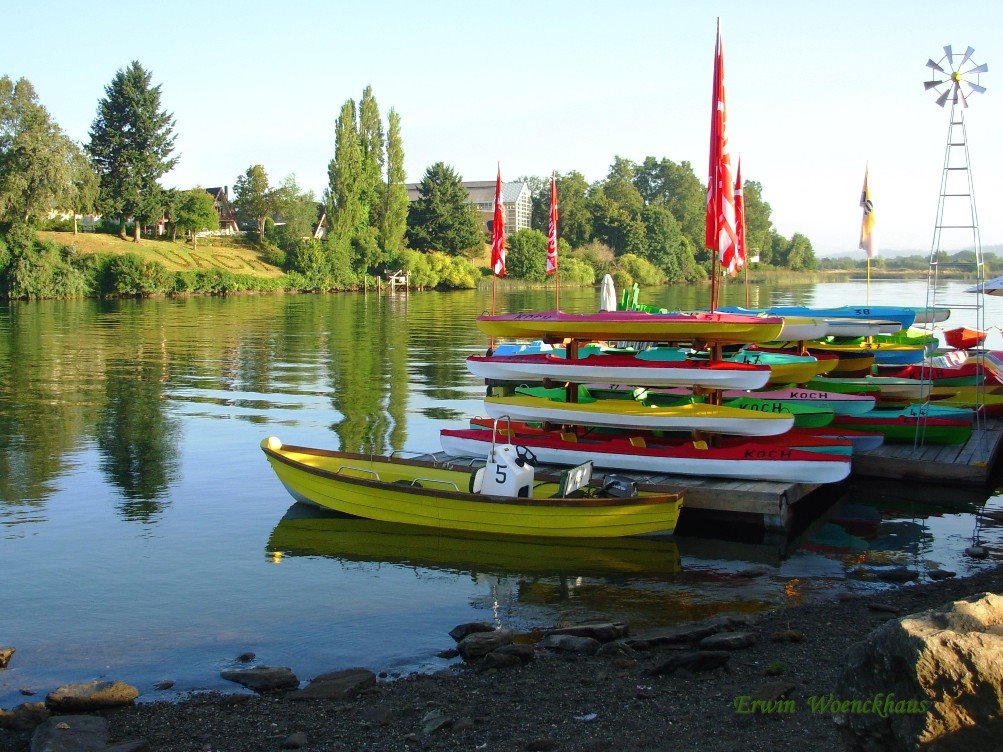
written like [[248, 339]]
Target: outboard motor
[[619, 486]]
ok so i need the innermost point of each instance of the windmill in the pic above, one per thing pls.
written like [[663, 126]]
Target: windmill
[[955, 78]]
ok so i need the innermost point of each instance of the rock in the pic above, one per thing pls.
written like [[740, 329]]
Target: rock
[[434, 721], [684, 633], [934, 677], [462, 630], [294, 741], [603, 632], [448, 654], [164, 684], [542, 744], [26, 691], [71, 733], [25, 716], [692, 660], [728, 641], [263, 678], [92, 695], [566, 643], [498, 659], [246, 657], [941, 574], [5, 656], [525, 653], [977, 552], [336, 685], [884, 607], [787, 635], [897, 574], [479, 644], [376, 715], [616, 649]]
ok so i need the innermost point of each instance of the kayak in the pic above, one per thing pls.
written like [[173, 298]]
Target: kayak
[[619, 413], [681, 457], [889, 353], [621, 369], [632, 325], [904, 317], [843, 363]]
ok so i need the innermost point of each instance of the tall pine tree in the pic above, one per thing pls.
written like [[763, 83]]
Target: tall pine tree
[[393, 222], [345, 180], [371, 146], [132, 139]]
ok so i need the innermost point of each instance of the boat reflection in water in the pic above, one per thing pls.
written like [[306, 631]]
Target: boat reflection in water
[[536, 582]]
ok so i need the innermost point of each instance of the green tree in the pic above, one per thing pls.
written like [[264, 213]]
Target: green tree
[[676, 187], [132, 139], [297, 210], [35, 156], [82, 192], [668, 248], [372, 157], [196, 212], [615, 225], [526, 257], [170, 201], [619, 186], [576, 221], [252, 199], [345, 181], [757, 222], [393, 219], [800, 256], [443, 219]]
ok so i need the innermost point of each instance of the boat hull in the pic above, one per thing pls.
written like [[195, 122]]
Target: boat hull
[[750, 461], [385, 489], [629, 414]]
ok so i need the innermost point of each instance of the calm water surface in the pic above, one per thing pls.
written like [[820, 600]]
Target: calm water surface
[[144, 537]]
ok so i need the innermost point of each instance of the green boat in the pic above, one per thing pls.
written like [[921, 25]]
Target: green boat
[[901, 428]]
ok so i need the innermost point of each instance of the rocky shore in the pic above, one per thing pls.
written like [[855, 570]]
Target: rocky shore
[[689, 688]]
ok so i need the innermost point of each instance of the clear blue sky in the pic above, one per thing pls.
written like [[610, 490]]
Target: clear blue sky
[[815, 91]]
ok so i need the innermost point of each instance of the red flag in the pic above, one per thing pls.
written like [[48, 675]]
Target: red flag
[[720, 238], [498, 231], [741, 251], [552, 230]]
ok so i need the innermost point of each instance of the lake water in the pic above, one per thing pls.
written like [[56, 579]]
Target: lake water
[[144, 537]]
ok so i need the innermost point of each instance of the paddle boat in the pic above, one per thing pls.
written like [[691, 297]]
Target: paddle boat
[[632, 326], [963, 338], [785, 368], [620, 413], [681, 457], [621, 369], [502, 497], [902, 427], [904, 317]]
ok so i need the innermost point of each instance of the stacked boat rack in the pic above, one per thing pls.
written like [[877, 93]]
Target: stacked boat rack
[[745, 412]]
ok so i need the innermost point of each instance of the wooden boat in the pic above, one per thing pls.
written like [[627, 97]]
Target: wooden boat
[[632, 325], [902, 428], [429, 494], [307, 531], [621, 369], [620, 413], [963, 338], [683, 457]]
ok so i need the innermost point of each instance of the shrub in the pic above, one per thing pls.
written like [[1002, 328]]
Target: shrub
[[417, 265], [454, 272], [622, 279], [575, 271], [129, 274], [641, 270], [527, 256]]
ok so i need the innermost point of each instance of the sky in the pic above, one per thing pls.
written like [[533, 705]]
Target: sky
[[815, 92]]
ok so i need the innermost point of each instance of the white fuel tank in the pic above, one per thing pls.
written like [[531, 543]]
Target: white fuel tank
[[504, 475]]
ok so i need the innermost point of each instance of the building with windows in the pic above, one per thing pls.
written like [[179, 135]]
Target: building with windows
[[516, 200]]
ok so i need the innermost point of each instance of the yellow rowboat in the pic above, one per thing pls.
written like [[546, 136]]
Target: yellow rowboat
[[617, 413], [430, 494], [885, 353], [634, 326]]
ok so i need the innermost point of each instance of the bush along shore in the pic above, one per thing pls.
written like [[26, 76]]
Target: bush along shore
[[862, 672]]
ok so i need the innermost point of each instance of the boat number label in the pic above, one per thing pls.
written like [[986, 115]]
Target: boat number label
[[810, 395], [862, 311], [767, 454]]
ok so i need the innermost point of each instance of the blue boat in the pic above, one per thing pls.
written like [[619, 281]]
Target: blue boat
[[900, 314]]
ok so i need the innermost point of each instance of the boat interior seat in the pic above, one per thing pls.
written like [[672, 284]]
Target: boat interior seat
[[476, 480], [700, 445], [638, 441], [570, 436]]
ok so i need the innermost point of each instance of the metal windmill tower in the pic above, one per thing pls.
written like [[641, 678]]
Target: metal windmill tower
[[955, 78]]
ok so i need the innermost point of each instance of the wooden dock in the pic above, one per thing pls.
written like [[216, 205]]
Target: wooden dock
[[970, 464]]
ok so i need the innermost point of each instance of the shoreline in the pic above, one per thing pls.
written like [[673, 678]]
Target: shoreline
[[564, 701]]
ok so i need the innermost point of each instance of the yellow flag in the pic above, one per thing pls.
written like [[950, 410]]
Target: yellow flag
[[867, 221]]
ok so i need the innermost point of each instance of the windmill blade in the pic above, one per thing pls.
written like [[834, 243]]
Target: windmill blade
[[976, 87], [968, 54], [978, 69], [942, 99], [950, 56], [927, 85], [934, 66], [959, 93]]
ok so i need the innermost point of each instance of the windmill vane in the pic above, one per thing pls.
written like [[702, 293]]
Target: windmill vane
[[960, 79]]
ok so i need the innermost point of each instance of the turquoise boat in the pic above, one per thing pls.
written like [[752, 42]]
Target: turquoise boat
[[902, 315]]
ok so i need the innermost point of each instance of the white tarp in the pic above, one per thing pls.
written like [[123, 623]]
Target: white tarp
[[608, 294]]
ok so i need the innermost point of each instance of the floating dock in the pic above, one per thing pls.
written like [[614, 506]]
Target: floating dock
[[970, 464]]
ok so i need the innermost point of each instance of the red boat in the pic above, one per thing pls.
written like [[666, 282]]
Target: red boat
[[964, 338]]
